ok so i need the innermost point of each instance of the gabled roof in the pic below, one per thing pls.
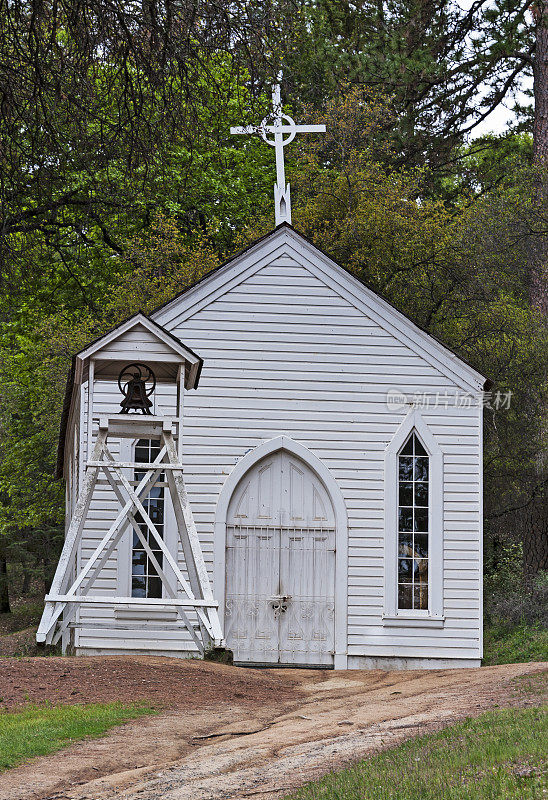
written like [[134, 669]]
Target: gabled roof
[[80, 364], [283, 240], [157, 331], [286, 241]]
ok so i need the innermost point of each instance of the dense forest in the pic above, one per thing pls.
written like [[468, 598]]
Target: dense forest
[[120, 185]]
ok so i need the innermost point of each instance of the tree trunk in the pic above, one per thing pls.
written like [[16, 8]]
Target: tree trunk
[[4, 587], [535, 530], [27, 577], [540, 71], [539, 267], [535, 536]]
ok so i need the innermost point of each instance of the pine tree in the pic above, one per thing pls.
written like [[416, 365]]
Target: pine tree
[[444, 68]]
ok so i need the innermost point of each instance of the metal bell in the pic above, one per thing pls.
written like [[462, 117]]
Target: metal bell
[[133, 385]]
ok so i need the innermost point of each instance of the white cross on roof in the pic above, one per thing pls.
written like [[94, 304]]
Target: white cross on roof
[[282, 198]]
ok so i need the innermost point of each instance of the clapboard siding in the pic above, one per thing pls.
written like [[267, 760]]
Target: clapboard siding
[[287, 353], [319, 372], [136, 341]]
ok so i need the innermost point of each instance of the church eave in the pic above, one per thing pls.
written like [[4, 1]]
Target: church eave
[[75, 375], [476, 378]]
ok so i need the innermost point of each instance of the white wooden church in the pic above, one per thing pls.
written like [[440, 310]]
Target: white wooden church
[[301, 482]]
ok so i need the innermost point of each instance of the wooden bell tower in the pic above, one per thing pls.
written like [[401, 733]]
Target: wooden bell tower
[[148, 349]]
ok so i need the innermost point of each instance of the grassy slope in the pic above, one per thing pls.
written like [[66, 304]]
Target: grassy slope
[[38, 730], [500, 755], [515, 644]]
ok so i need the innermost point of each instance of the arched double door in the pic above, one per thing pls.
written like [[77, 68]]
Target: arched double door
[[280, 565]]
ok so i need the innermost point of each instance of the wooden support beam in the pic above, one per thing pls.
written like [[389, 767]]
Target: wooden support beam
[[133, 426], [135, 465], [190, 542], [183, 602], [72, 538], [110, 539], [131, 625], [166, 469], [159, 540], [135, 501], [144, 486], [163, 577]]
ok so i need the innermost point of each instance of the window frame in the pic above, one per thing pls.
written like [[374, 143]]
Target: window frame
[[413, 532], [140, 443], [392, 615], [125, 548]]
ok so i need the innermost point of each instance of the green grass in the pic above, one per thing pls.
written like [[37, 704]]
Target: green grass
[[500, 755], [503, 644], [39, 730]]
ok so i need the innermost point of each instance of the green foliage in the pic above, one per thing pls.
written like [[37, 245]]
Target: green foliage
[[443, 65], [502, 572], [64, 231], [500, 754], [488, 162], [137, 236], [34, 366], [110, 112], [39, 730], [504, 643], [86, 244]]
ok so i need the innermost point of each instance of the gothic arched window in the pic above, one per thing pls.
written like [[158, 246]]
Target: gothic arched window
[[413, 526]]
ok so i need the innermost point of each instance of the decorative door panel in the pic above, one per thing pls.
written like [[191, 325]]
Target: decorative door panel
[[280, 565], [304, 500], [307, 578], [252, 568]]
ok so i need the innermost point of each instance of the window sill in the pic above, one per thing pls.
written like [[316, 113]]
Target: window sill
[[412, 621]]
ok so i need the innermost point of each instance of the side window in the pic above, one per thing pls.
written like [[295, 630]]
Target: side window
[[145, 581], [413, 466]]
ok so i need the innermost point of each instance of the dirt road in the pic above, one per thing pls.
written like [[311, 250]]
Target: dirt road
[[233, 749]]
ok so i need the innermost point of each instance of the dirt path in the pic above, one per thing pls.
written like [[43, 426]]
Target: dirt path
[[164, 682], [240, 750]]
